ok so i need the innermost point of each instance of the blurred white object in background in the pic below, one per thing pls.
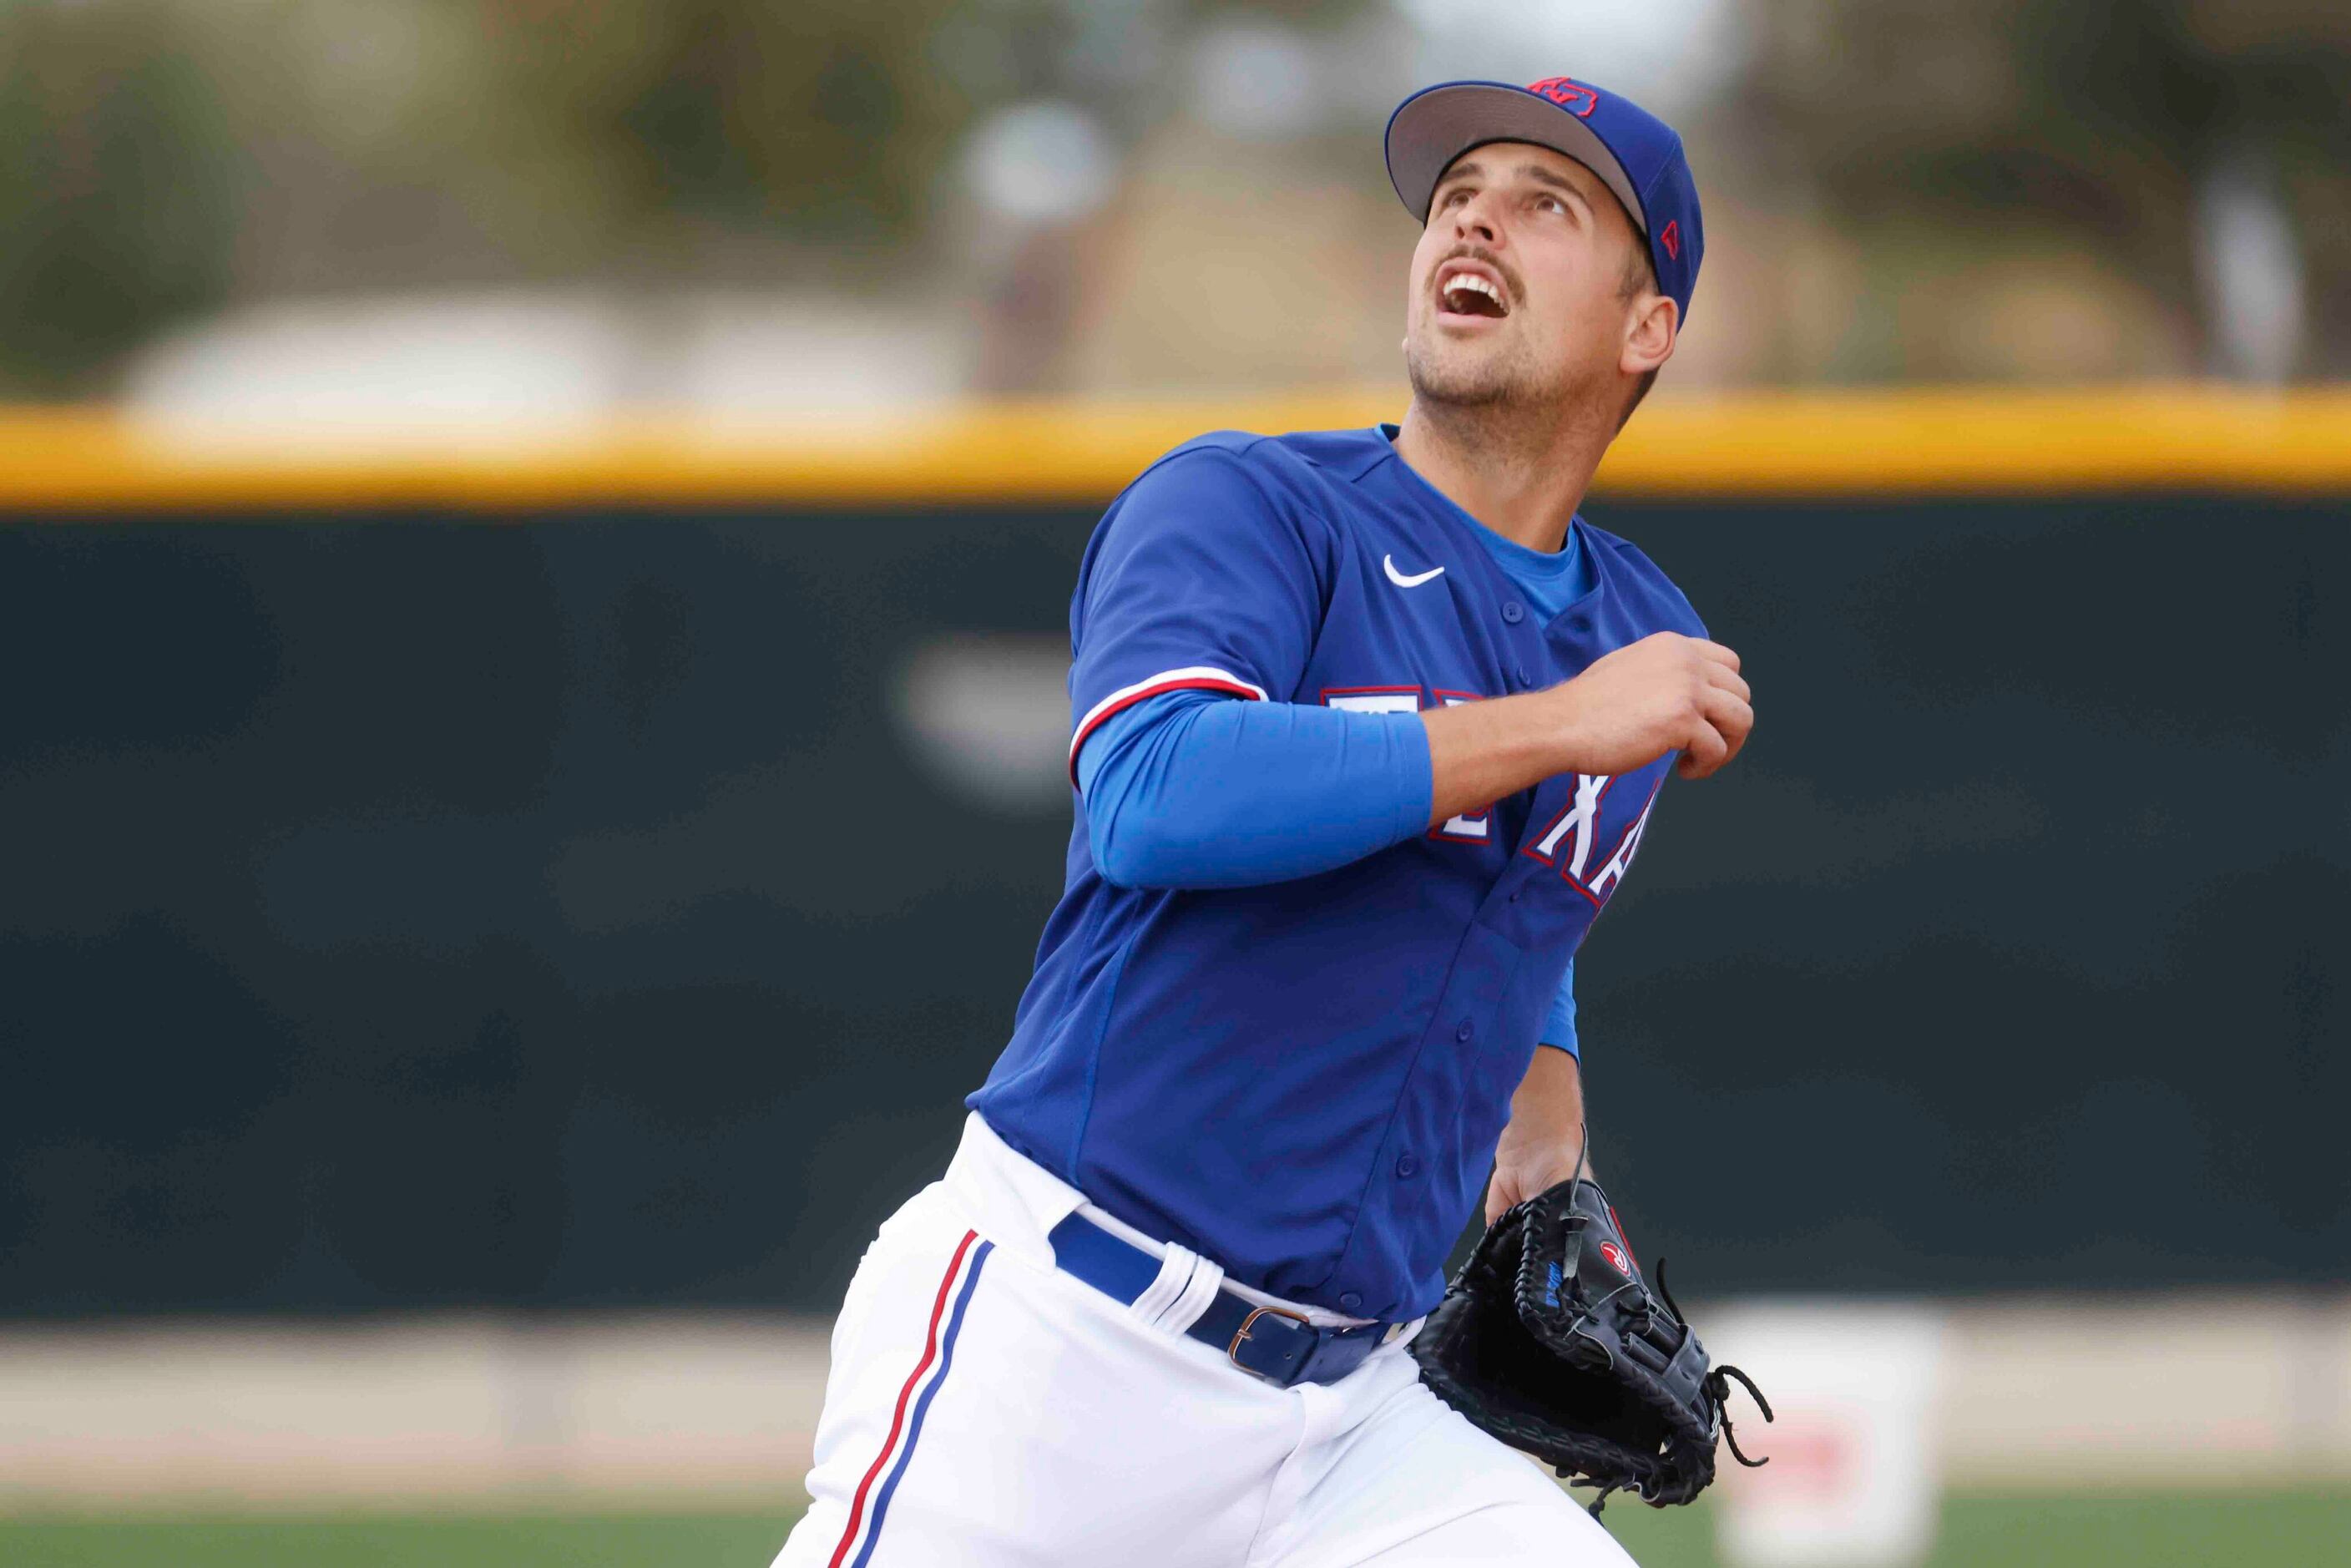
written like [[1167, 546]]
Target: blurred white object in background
[[1044, 162], [1256, 78], [1672, 56], [445, 362], [2249, 268], [1037, 175], [987, 714], [1854, 1479], [476, 368]]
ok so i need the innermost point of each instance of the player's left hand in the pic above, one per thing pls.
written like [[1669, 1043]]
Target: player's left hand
[[1542, 1141], [1522, 1173]]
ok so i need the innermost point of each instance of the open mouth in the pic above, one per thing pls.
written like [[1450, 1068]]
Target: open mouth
[[1468, 293]]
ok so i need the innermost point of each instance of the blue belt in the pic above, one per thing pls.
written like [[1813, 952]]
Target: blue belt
[[1278, 1345]]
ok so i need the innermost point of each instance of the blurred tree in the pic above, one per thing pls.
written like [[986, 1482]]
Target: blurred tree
[[2080, 126], [829, 122], [822, 118], [116, 185]]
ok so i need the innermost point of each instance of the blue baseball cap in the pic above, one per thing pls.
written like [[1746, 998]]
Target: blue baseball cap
[[1636, 155]]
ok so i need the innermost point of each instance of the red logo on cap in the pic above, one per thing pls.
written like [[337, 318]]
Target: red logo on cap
[[1671, 238], [1572, 96]]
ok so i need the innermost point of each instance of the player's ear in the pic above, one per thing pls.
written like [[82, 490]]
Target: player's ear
[[1651, 323]]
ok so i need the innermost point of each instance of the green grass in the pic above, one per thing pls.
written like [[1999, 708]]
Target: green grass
[[2293, 1530], [427, 1540]]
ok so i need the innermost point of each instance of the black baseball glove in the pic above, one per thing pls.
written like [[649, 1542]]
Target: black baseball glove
[[1549, 1340]]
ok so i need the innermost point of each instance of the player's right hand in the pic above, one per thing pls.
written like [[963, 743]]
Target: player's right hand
[[1665, 693]]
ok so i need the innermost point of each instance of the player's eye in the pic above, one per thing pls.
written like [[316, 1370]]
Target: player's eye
[[1454, 196], [1551, 204]]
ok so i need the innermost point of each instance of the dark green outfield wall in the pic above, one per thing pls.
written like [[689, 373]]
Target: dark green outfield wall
[[397, 912]]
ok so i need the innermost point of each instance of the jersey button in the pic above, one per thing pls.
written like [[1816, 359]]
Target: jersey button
[[1349, 1301], [1408, 1166], [1524, 679], [1512, 611], [1464, 1033]]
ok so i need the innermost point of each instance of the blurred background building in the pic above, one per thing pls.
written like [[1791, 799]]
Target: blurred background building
[[467, 991]]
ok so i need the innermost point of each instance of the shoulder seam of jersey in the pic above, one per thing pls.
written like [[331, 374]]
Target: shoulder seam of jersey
[[1248, 472]]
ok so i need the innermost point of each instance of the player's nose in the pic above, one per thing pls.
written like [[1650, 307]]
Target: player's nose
[[1474, 219]]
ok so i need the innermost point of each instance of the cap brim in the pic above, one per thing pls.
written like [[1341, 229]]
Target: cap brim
[[1438, 125]]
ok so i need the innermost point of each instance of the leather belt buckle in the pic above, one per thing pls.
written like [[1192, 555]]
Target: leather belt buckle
[[1288, 1358]]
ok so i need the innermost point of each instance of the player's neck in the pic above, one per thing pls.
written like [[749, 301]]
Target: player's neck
[[1523, 479]]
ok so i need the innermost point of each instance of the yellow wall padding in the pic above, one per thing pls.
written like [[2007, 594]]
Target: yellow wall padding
[[1884, 442]]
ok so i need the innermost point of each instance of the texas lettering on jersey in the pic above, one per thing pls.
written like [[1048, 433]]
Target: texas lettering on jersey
[[1475, 828], [1568, 844]]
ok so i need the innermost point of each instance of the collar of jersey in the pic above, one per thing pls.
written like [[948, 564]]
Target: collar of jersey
[[1525, 567]]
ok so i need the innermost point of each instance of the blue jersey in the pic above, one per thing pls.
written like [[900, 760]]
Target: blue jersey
[[1304, 1080]]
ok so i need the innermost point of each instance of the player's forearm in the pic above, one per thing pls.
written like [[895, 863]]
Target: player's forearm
[[1480, 753], [1662, 694], [1543, 1143], [1547, 1109]]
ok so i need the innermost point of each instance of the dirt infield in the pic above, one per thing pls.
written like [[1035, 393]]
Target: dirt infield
[[2036, 1397]]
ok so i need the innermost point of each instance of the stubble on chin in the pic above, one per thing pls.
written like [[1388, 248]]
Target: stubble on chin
[[1505, 382], [1466, 376]]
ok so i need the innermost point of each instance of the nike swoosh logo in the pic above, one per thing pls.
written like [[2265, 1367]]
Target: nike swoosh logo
[[1415, 580]]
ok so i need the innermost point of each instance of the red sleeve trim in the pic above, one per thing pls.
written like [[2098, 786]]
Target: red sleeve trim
[[1199, 678]]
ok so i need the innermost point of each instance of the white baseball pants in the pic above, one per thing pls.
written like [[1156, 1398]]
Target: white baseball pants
[[986, 1409]]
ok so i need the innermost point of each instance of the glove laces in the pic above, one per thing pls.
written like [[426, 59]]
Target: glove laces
[[1717, 1384]]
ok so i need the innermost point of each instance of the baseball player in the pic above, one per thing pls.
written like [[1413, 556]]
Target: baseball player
[[1367, 728]]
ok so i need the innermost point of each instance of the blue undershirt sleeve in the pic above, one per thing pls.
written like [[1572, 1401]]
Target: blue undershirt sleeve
[[1194, 789], [1559, 1024]]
